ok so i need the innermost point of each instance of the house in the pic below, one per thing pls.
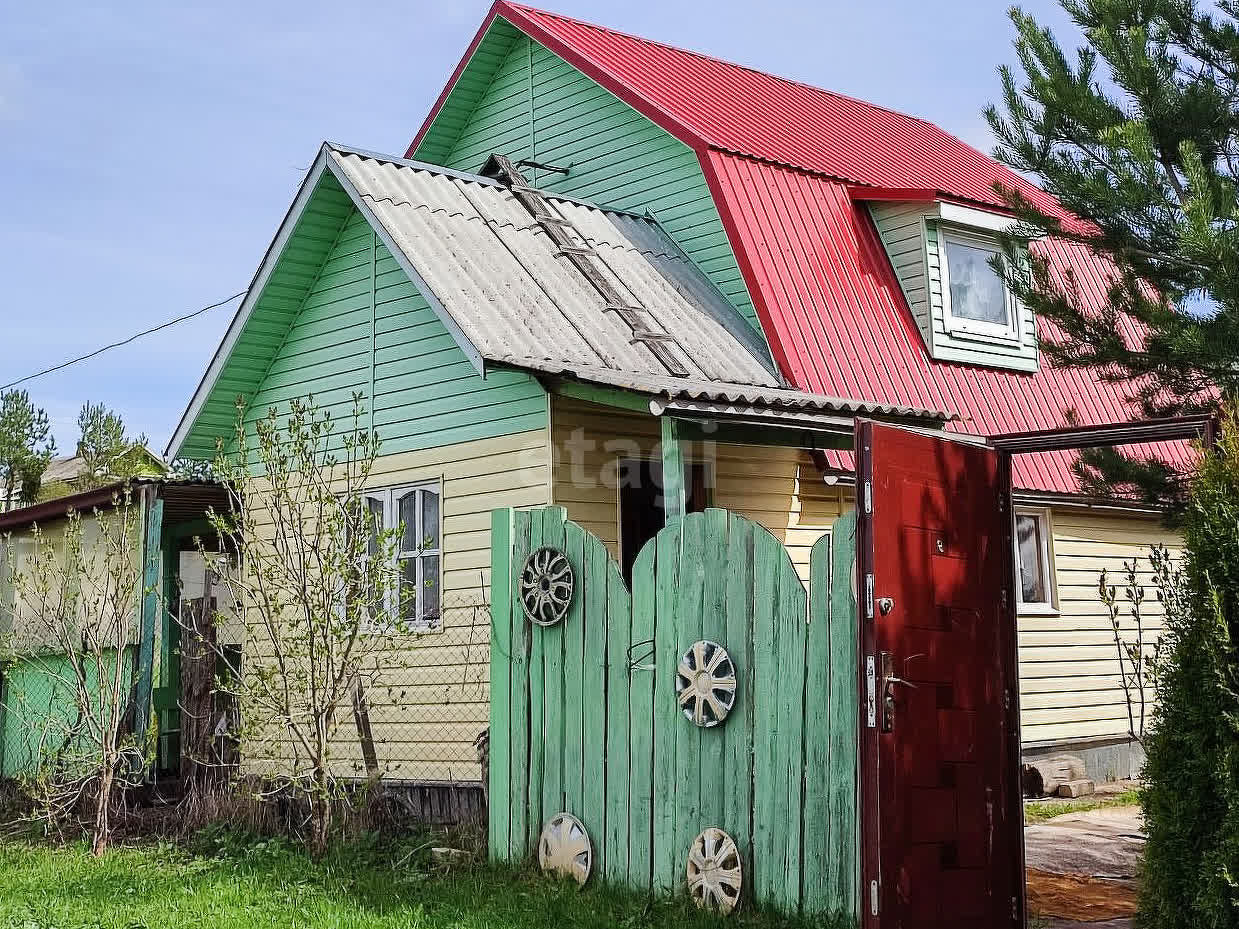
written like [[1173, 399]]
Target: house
[[37, 704], [69, 475], [595, 235]]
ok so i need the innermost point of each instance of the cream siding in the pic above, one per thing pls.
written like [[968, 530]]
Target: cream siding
[[433, 699], [1069, 672], [780, 488]]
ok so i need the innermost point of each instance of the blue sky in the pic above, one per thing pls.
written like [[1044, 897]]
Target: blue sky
[[149, 150]]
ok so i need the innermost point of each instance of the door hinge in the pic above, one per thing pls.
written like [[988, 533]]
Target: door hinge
[[868, 496], [1015, 910], [1003, 598], [873, 898], [1002, 503], [869, 596], [871, 692]]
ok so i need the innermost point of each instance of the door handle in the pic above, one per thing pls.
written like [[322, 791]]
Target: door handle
[[889, 681]]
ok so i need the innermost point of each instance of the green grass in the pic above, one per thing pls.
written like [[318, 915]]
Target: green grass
[[1048, 809], [222, 882]]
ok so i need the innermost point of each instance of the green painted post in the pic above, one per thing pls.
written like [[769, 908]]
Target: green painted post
[[152, 512], [674, 497], [501, 722]]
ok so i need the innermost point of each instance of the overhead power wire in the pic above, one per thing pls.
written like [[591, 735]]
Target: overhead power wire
[[126, 341]]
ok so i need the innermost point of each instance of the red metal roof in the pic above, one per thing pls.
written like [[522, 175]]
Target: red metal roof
[[780, 157], [822, 281]]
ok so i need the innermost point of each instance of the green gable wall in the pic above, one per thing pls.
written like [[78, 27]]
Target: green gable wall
[[519, 99], [361, 326]]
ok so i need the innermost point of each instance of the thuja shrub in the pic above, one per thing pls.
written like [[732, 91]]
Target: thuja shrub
[[1191, 795]]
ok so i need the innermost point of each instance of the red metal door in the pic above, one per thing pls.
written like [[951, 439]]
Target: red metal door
[[941, 816]]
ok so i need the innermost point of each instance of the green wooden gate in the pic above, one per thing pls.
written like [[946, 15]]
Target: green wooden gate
[[585, 720]]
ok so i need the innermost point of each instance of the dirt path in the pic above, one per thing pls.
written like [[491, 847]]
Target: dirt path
[[1082, 868]]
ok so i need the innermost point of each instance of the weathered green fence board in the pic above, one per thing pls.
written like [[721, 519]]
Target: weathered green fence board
[[573, 669], [618, 729], [502, 803], [594, 685], [519, 704], [843, 846], [665, 580], [593, 726], [641, 727]]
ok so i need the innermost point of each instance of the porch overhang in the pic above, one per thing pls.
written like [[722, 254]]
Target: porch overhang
[[1201, 427]]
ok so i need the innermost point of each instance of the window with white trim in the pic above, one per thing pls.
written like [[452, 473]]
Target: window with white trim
[[1034, 559], [419, 556], [975, 298]]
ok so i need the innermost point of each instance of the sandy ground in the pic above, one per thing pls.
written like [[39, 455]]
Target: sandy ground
[[1082, 868]]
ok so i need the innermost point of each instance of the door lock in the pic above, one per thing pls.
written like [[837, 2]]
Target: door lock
[[889, 681], [885, 605]]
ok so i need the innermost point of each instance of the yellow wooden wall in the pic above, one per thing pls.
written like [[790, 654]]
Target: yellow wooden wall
[[1069, 679], [433, 698], [780, 488], [440, 689]]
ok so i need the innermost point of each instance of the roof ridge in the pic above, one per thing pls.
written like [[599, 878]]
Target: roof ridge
[[723, 61]]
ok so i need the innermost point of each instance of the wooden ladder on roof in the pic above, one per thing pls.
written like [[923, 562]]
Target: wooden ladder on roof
[[572, 245]]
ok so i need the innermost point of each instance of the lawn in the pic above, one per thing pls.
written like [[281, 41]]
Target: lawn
[[220, 881], [1042, 810]]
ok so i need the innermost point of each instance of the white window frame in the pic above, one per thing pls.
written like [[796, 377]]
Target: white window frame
[[1049, 576], [975, 327], [391, 498]]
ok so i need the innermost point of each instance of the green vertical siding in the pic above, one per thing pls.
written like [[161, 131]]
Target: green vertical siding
[[539, 107]]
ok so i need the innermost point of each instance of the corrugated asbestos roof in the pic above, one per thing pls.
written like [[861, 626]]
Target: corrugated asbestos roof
[[773, 398], [494, 270], [780, 157]]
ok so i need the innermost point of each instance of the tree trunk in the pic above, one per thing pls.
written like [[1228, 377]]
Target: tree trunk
[[320, 812], [103, 809]]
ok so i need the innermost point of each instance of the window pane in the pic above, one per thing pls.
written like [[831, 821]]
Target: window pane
[[430, 586], [408, 589], [977, 290], [375, 508], [1032, 571], [408, 516], [430, 520]]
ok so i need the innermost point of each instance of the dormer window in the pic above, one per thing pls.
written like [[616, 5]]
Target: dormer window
[[975, 297], [941, 252]]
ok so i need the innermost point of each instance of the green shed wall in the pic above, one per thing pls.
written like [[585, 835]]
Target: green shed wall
[[364, 327], [536, 106]]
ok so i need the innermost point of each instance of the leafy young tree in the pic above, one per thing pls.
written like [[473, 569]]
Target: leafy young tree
[[1137, 135], [104, 446], [26, 447], [317, 593], [70, 618]]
